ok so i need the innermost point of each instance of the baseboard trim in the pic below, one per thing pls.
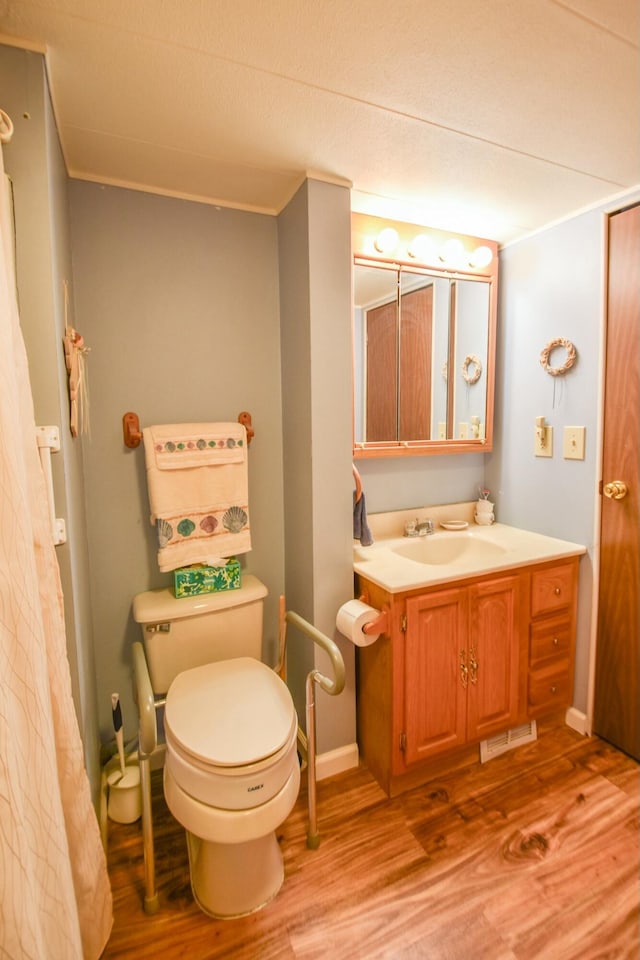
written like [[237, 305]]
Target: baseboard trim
[[331, 762], [337, 761], [577, 720]]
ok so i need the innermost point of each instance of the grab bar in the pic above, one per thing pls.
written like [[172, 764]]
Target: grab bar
[[48, 440], [147, 705], [147, 743], [333, 688], [145, 701]]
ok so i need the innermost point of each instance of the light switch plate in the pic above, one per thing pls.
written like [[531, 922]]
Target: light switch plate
[[543, 442], [573, 446]]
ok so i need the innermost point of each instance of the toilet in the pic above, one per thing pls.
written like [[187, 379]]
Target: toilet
[[231, 771]]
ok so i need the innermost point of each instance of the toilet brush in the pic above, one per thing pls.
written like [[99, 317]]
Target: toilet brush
[[117, 726]]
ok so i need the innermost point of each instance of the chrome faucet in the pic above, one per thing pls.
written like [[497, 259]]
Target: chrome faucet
[[418, 528]]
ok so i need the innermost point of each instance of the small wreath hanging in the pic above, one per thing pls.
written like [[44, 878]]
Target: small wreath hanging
[[471, 376], [548, 349]]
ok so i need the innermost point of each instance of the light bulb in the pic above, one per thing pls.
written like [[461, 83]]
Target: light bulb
[[423, 248], [481, 257], [452, 252], [386, 241]]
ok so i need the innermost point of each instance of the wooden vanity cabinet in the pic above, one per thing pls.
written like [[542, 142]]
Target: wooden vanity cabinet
[[554, 595], [462, 663]]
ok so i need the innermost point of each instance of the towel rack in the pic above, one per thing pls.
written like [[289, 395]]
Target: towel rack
[[132, 433], [356, 477]]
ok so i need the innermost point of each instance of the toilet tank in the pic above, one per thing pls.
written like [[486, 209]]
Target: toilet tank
[[192, 631]]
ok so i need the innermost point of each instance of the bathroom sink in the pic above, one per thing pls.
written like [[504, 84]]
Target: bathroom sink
[[448, 548], [398, 563]]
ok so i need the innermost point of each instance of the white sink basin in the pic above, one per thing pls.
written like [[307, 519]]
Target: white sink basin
[[443, 548], [399, 563]]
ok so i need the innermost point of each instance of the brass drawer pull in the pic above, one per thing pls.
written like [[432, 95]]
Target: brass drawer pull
[[557, 591], [555, 641], [473, 666], [554, 689], [464, 670]]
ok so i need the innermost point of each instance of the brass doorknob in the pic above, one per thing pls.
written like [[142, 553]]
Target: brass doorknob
[[615, 490]]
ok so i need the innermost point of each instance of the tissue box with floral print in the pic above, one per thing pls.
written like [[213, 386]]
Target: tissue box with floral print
[[190, 581]]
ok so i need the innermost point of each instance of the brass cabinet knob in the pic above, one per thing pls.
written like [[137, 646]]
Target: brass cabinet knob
[[615, 489]]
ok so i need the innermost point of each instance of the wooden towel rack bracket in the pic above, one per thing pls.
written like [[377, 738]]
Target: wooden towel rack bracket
[[358, 483], [133, 434]]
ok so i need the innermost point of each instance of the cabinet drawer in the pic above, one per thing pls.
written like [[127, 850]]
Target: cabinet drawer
[[552, 589], [549, 689], [550, 640]]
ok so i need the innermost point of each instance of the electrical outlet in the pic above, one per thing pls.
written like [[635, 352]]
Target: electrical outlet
[[463, 430], [573, 447], [442, 430], [543, 441]]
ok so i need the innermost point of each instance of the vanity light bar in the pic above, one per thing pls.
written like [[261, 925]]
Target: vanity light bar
[[424, 248]]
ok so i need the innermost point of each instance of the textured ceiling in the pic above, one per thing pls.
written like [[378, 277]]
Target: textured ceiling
[[492, 118]]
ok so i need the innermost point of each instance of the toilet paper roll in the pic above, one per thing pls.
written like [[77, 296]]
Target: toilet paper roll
[[352, 617]]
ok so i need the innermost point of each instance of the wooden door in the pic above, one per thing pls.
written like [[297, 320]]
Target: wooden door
[[616, 706], [382, 372], [416, 321], [493, 657], [435, 673]]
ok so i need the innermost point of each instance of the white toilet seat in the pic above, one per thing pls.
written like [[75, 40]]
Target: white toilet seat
[[231, 733], [233, 788], [231, 826]]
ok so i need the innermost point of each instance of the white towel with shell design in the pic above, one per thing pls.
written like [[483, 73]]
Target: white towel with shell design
[[197, 479]]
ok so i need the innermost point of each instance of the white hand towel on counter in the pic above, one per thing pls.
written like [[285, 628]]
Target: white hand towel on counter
[[197, 477]]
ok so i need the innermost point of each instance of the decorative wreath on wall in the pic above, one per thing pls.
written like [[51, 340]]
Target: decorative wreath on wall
[[471, 375], [568, 363]]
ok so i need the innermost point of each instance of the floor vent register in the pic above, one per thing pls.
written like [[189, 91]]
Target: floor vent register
[[508, 741]]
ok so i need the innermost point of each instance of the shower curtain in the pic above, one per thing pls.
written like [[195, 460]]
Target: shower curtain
[[55, 898]]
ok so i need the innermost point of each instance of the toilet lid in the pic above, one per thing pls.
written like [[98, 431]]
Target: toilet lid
[[230, 713]]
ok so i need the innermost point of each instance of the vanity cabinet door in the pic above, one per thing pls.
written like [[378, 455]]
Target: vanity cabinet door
[[493, 656], [435, 673]]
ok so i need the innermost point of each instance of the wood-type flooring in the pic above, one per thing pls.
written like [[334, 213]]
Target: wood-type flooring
[[531, 855]]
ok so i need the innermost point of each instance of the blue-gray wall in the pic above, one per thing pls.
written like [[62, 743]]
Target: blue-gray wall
[[553, 285], [179, 304], [315, 285]]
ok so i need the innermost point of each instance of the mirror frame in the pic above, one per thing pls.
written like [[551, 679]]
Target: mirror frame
[[364, 231]]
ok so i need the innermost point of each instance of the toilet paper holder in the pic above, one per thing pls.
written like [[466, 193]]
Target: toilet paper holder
[[380, 624]]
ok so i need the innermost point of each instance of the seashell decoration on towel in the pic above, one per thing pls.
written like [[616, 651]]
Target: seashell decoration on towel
[[186, 527], [235, 519], [165, 532], [208, 524]]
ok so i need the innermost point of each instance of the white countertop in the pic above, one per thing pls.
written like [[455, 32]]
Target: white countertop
[[484, 550]]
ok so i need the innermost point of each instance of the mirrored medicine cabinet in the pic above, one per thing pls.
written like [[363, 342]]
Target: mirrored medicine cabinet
[[424, 328]]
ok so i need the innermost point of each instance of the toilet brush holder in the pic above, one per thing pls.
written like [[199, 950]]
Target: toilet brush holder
[[125, 797]]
